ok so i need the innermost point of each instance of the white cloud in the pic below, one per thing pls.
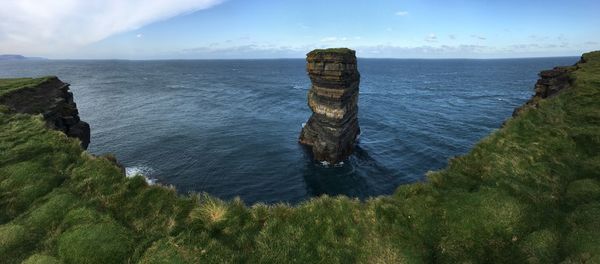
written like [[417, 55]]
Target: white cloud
[[39, 26], [329, 39], [253, 51], [139, 35], [249, 51], [425, 51], [336, 39], [402, 13], [303, 26], [431, 38], [478, 37]]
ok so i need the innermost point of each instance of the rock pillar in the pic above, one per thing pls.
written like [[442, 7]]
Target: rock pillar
[[332, 129]]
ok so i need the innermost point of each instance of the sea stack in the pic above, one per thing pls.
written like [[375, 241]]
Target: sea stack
[[332, 129]]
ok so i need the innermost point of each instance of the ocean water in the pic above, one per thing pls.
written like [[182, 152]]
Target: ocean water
[[230, 127]]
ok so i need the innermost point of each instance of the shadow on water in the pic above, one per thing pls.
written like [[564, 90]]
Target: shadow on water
[[350, 178]]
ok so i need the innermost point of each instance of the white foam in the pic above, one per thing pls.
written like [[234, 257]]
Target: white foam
[[142, 171], [327, 164], [303, 124]]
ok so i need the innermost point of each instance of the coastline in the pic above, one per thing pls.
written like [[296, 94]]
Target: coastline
[[505, 200]]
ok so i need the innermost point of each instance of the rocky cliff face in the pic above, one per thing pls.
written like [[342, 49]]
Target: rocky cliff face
[[332, 130], [54, 101], [550, 83]]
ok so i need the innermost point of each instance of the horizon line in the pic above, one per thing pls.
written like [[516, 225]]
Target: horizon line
[[295, 58]]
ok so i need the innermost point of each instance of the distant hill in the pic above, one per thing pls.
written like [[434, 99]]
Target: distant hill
[[4, 57]]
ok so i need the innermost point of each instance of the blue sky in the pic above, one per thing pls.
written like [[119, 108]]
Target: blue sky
[[215, 29]]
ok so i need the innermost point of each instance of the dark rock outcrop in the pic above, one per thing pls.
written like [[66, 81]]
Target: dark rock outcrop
[[332, 129], [550, 83], [54, 101]]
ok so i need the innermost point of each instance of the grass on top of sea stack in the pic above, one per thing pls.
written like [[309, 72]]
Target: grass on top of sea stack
[[9, 85], [332, 50], [528, 193]]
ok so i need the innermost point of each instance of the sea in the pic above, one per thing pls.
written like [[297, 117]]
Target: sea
[[230, 127]]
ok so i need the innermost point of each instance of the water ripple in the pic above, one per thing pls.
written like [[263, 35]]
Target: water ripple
[[230, 128]]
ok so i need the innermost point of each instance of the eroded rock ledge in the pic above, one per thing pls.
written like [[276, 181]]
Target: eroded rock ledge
[[550, 83], [332, 129], [54, 101]]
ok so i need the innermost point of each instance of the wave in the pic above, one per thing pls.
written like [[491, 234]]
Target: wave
[[176, 86], [141, 171], [327, 164], [300, 87]]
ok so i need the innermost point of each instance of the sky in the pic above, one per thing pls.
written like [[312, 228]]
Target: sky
[[253, 29]]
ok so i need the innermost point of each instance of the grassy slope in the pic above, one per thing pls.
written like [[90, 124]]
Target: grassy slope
[[530, 192], [9, 85]]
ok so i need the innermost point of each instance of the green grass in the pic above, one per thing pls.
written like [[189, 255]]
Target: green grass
[[41, 259], [527, 193], [332, 50], [95, 243], [9, 85]]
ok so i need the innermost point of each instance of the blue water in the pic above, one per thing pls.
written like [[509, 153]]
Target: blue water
[[230, 127]]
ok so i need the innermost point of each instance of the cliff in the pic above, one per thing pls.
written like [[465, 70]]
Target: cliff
[[49, 97], [527, 193], [550, 83], [12, 57], [332, 129]]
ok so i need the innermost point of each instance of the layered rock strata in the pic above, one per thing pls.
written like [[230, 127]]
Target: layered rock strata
[[332, 129], [52, 99], [550, 83]]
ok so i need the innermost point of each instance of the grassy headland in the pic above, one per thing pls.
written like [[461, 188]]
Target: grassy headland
[[9, 85], [527, 193]]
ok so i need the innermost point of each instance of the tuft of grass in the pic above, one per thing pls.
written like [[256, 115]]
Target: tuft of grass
[[41, 259], [582, 241], [166, 251], [13, 240], [83, 216], [24, 182], [583, 191], [210, 212], [540, 247], [474, 221], [96, 243]]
